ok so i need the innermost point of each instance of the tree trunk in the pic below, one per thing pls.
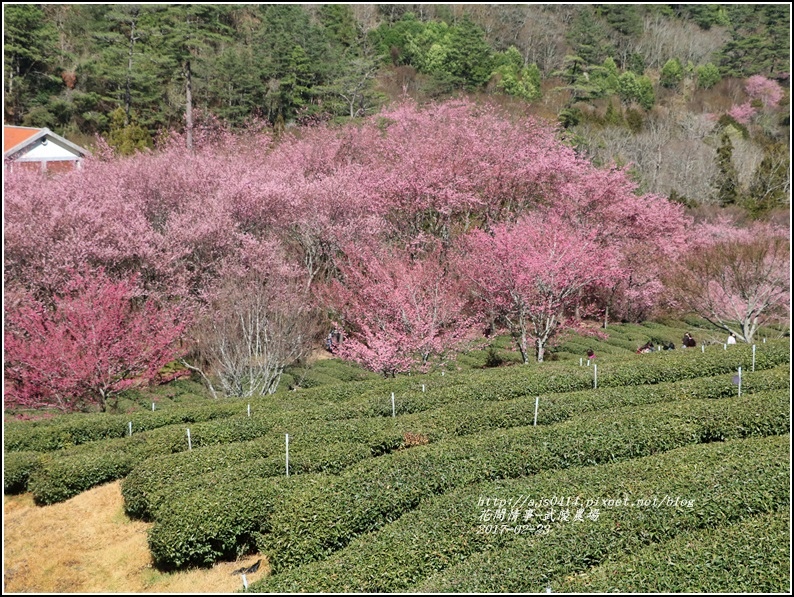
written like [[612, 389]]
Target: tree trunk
[[541, 348], [189, 105], [127, 91]]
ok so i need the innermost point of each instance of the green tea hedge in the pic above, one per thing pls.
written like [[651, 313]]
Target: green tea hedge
[[723, 486], [749, 556], [373, 492], [63, 475], [157, 479], [447, 530]]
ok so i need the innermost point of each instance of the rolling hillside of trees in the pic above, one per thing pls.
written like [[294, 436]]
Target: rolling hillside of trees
[[690, 95]]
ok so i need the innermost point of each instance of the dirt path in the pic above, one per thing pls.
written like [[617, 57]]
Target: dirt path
[[88, 545]]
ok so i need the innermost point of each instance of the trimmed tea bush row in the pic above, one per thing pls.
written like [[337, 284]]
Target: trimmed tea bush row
[[368, 495], [329, 511], [721, 492], [371, 398], [64, 475], [164, 478], [17, 467], [66, 431], [749, 556], [322, 458], [515, 382], [381, 436], [158, 479], [448, 529]]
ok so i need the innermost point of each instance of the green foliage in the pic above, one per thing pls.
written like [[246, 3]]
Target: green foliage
[[634, 120], [514, 78], [17, 467], [588, 37], [65, 474], [375, 492], [329, 447], [127, 139], [569, 117], [68, 67], [742, 566], [672, 73], [70, 430], [727, 181], [613, 116], [708, 75], [29, 59], [715, 477], [445, 531], [770, 185], [760, 43], [605, 78], [676, 197]]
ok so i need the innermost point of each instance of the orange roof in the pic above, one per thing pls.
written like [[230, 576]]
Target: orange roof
[[14, 135]]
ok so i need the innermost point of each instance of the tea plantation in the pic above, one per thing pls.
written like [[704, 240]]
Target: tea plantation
[[661, 472]]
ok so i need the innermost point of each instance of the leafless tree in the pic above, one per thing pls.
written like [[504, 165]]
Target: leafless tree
[[253, 329]]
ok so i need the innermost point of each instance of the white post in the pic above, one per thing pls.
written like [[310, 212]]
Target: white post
[[764, 340], [152, 406], [595, 375], [286, 440], [740, 382], [702, 348], [724, 347], [423, 388], [753, 357], [537, 399], [249, 410], [580, 361], [130, 427], [442, 374], [189, 444], [392, 404], [245, 582]]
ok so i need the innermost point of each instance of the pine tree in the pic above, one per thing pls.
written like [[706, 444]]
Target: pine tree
[[727, 180]]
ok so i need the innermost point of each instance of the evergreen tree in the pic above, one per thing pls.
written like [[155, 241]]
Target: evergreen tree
[[29, 63], [708, 75], [467, 60], [672, 73], [771, 183], [727, 181], [588, 37]]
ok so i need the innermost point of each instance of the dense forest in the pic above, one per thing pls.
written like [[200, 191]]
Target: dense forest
[[691, 95]]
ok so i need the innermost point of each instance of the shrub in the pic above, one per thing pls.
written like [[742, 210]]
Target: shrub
[[716, 478], [744, 566], [441, 536], [365, 497]]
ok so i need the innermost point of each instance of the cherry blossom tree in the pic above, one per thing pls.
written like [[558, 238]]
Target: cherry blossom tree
[[737, 278], [531, 276], [397, 311], [97, 338], [767, 91]]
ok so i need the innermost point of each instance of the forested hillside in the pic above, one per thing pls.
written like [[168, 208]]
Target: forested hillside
[[691, 95]]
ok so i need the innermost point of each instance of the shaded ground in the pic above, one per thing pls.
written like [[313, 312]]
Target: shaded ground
[[88, 545]]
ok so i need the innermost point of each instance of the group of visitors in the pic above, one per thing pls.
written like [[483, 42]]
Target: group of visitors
[[688, 341], [333, 338]]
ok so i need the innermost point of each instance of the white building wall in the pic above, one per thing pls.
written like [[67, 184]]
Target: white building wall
[[46, 149]]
